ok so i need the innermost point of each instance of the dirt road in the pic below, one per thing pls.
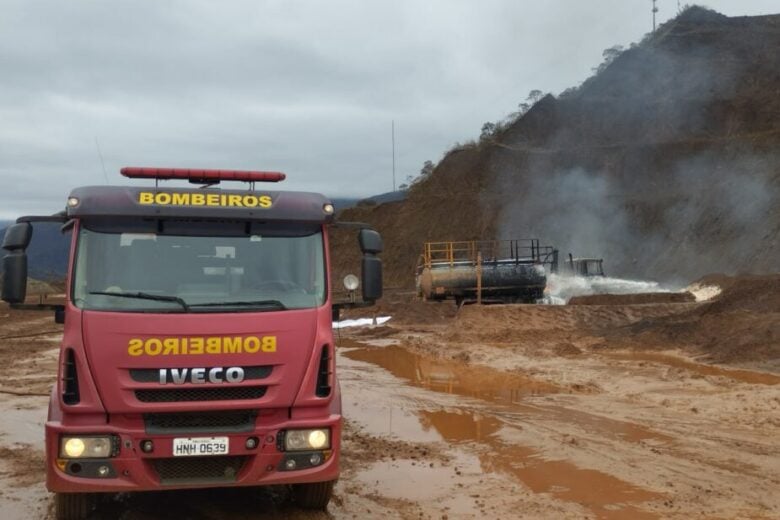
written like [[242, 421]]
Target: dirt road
[[531, 414]]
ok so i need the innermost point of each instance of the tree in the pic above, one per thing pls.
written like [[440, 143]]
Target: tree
[[488, 129], [426, 170], [534, 96], [609, 55]]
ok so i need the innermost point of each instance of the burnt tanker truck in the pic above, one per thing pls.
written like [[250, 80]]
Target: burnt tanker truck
[[505, 271]]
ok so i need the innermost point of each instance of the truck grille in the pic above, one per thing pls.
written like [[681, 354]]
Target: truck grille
[[152, 375], [200, 394], [198, 470], [196, 422]]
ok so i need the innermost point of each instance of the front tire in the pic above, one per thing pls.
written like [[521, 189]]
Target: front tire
[[315, 495], [74, 506]]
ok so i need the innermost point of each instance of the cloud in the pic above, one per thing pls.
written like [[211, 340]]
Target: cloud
[[306, 87]]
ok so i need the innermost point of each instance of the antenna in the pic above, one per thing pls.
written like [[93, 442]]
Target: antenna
[[393, 140], [100, 154], [655, 10]]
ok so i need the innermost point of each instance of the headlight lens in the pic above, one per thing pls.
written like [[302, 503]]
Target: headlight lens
[[85, 447], [301, 440]]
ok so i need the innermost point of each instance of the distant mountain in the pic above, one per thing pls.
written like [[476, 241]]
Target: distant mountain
[[48, 252], [390, 196], [343, 203]]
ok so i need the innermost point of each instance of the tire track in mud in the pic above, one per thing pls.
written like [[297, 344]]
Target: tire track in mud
[[589, 458], [481, 427]]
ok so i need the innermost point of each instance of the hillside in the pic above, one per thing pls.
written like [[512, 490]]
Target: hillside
[[664, 163]]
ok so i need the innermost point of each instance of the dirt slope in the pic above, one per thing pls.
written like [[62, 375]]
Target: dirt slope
[[741, 326], [664, 163]]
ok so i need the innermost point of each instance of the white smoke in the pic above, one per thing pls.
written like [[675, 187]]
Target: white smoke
[[561, 288]]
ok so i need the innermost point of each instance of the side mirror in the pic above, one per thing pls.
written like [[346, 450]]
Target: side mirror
[[372, 278], [370, 241], [371, 272], [17, 237], [15, 277]]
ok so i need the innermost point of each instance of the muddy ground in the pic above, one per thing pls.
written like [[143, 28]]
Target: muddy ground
[[582, 411]]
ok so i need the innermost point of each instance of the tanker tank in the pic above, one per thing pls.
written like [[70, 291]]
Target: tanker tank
[[506, 271]]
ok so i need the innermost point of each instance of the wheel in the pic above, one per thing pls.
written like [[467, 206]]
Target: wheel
[[313, 496], [73, 506]]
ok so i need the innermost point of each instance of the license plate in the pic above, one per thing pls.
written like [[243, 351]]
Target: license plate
[[200, 446]]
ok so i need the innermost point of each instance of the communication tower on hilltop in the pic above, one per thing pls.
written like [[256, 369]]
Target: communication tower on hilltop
[[655, 10]]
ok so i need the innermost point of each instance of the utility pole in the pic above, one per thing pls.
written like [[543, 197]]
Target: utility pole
[[655, 10], [393, 140]]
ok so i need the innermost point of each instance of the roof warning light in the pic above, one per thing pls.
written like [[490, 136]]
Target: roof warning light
[[201, 176]]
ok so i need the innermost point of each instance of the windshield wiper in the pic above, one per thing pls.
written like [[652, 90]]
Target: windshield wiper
[[273, 304], [145, 296]]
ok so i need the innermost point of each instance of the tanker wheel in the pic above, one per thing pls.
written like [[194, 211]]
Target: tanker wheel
[[315, 495], [74, 506]]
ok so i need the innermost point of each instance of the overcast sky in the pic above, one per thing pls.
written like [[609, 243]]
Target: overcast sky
[[309, 88]]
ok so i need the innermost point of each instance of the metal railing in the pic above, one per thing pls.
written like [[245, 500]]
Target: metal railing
[[521, 250]]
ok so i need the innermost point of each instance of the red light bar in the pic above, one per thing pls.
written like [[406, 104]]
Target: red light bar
[[201, 175]]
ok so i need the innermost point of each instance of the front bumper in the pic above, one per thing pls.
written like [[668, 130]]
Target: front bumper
[[134, 470]]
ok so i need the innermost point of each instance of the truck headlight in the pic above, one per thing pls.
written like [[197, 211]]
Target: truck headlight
[[85, 447], [302, 440]]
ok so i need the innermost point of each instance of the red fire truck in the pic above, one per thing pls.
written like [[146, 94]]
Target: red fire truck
[[198, 347]]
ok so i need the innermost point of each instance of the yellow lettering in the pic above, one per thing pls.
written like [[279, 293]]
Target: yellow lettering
[[146, 197], [196, 345], [135, 347], [250, 201], [234, 200], [212, 199], [251, 345], [213, 345], [153, 347], [170, 346], [231, 345], [269, 344], [180, 199], [201, 345], [223, 200], [198, 199], [265, 201]]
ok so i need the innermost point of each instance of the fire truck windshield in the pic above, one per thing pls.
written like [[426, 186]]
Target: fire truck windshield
[[151, 272]]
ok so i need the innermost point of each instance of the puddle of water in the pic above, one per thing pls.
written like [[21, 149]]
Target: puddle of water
[[23, 426], [452, 377], [745, 376], [498, 387], [419, 482], [372, 410], [606, 496]]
